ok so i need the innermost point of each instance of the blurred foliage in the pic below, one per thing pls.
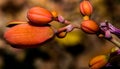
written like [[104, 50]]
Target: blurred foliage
[[73, 38], [71, 52]]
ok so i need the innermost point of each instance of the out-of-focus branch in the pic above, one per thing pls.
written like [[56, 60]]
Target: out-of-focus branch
[[115, 40]]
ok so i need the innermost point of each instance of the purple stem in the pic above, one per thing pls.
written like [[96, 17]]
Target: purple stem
[[114, 30], [105, 26]]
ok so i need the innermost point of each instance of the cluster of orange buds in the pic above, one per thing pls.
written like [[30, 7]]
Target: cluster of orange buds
[[41, 16], [36, 30], [87, 25]]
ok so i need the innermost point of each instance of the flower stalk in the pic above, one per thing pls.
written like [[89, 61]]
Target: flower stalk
[[110, 33], [115, 40]]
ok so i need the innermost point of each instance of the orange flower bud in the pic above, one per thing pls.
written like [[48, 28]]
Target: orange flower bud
[[28, 36], [98, 62], [89, 26], [86, 8], [39, 16], [61, 34]]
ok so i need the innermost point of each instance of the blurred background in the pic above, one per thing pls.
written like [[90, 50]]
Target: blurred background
[[72, 52]]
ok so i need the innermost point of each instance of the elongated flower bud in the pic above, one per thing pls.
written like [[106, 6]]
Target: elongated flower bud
[[61, 34], [28, 36], [86, 8], [89, 26], [98, 62], [39, 16]]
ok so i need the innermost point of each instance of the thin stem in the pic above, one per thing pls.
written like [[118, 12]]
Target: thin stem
[[67, 22], [68, 28], [115, 40]]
